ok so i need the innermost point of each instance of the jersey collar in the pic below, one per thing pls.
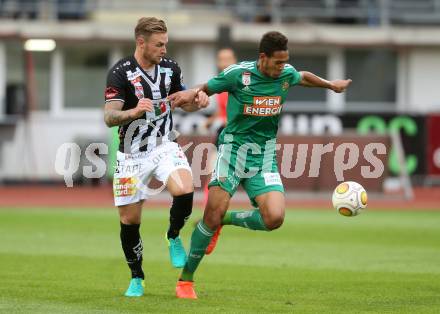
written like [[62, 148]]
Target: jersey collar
[[145, 74]]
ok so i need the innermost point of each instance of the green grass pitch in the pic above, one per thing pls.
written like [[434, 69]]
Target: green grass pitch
[[70, 261]]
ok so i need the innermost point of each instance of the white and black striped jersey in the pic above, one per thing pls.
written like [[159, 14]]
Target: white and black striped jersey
[[128, 82]]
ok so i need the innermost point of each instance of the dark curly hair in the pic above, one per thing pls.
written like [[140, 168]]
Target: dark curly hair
[[271, 42]]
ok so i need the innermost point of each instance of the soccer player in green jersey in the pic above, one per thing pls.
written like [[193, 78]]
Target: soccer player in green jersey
[[257, 91]]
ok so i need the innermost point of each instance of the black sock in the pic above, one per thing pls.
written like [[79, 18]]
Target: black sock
[[179, 213], [133, 248]]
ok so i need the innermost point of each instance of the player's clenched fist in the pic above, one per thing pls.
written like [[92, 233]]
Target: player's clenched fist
[[190, 100], [181, 98], [201, 99], [143, 106], [338, 86]]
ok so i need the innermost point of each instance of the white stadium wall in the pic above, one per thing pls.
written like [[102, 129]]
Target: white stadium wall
[[423, 79], [30, 154]]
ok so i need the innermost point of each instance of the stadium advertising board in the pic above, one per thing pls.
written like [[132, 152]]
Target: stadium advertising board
[[433, 151], [412, 128]]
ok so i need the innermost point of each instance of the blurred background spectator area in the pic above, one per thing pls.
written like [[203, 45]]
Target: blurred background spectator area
[[52, 93], [372, 12]]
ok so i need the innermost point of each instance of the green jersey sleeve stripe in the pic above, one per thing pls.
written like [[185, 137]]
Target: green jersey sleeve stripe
[[242, 65], [237, 68]]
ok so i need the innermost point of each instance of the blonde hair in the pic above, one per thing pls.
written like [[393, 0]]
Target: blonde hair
[[149, 25]]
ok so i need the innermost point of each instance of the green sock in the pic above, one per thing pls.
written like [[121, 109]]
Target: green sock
[[227, 219], [200, 239], [250, 219]]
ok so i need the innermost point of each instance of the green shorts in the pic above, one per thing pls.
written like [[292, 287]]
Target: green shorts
[[256, 175]]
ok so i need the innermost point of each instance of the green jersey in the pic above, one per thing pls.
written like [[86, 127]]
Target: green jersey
[[255, 101]]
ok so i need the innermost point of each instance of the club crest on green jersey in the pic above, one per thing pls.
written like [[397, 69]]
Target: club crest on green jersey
[[246, 80]]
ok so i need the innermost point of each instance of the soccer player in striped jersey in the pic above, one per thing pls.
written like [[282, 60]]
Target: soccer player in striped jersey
[[136, 102], [257, 91]]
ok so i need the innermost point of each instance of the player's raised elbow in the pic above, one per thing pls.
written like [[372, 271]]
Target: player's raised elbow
[[108, 119]]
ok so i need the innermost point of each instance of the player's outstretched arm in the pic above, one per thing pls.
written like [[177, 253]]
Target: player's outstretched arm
[[189, 100], [309, 79], [115, 116]]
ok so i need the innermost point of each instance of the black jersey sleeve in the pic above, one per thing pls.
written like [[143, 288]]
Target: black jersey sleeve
[[177, 80], [116, 84]]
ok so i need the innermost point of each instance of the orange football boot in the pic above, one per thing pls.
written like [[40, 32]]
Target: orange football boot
[[185, 290]]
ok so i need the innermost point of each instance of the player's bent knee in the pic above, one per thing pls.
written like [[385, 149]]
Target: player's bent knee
[[180, 182], [273, 222], [213, 217], [129, 214], [213, 222]]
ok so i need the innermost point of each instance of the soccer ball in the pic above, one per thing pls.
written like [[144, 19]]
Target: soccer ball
[[349, 198]]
